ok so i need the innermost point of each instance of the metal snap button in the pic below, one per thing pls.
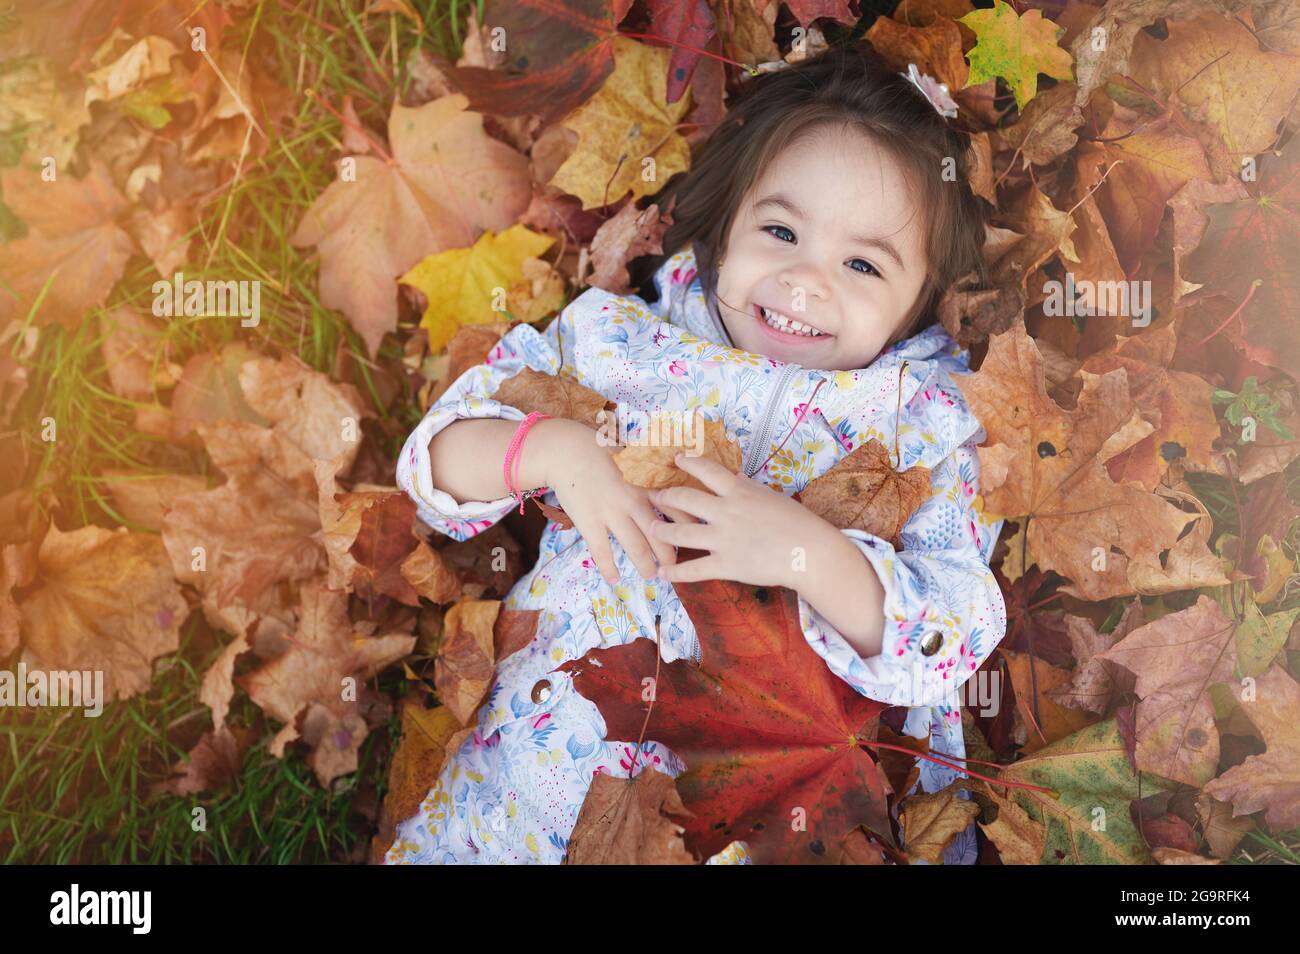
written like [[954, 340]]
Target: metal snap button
[[931, 643], [541, 691]]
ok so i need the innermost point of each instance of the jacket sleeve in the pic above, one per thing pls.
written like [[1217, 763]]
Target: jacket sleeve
[[938, 589], [469, 396]]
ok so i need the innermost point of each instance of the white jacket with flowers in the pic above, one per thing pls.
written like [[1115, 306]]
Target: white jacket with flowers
[[513, 791]]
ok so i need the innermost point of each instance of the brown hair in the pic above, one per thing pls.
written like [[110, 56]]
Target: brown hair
[[846, 85]]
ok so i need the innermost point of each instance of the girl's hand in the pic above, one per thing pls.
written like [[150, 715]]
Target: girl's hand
[[753, 534], [594, 495]]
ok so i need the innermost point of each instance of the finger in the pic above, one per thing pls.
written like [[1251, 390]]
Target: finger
[[601, 553], [663, 551], [697, 536], [699, 503], [636, 547], [709, 472], [675, 515], [692, 571]]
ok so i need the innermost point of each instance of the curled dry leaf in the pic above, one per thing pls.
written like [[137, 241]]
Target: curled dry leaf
[[212, 764], [104, 601], [628, 234], [17, 569], [1270, 781], [553, 513], [239, 543], [551, 394], [931, 822], [630, 822], [319, 416], [864, 492], [652, 465], [467, 656], [1018, 838], [477, 634], [430, 575], [427, 736], [310, 678]]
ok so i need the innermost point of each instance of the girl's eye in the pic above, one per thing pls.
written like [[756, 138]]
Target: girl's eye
[[871, 269], [769, 230]]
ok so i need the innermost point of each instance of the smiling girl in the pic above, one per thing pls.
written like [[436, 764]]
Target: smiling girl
[[796, 304]]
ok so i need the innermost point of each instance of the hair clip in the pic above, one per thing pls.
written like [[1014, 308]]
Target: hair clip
[[936, 93]]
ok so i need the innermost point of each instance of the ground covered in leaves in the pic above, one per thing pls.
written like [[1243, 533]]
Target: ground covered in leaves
[[198, 501]]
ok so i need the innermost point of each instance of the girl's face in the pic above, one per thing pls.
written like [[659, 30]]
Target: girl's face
[[828, 238]]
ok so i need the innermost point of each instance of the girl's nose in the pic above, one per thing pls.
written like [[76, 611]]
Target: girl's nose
[[806, 281]]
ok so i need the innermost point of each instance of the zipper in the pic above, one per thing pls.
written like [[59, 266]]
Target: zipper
[[763, 436]]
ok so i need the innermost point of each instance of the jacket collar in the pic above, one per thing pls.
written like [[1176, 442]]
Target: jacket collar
[[862, 399]]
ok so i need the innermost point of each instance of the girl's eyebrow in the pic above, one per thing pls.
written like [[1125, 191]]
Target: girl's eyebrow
[[886, 246]]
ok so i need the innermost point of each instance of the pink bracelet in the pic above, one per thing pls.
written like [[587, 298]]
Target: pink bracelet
[[512, 452]]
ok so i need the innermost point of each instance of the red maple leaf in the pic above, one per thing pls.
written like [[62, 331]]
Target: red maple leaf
[[770, 736], [560, 51]]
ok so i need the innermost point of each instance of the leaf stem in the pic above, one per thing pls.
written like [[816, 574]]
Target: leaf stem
[[1226, 321], [973, 774], [752, 71]]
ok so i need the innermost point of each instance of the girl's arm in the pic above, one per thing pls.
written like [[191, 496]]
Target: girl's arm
[[903, 626], [843, 589], [453, 463], [466, 462], [466, 457]]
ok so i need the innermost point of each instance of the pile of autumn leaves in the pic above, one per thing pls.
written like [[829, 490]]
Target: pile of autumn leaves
[[495, 192]]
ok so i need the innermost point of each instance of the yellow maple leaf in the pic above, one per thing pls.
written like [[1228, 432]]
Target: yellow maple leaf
[[627, 132], [1015, 48], [461, 284]]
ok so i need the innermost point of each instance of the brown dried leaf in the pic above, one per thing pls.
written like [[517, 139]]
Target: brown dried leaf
[[551, 394], [1176, 659], [144, 499], [309, 679], [629, 234], [629, 822], [429, 575], [212, 764], [1269, 781], [103, 601], [238, 543], [864, 492], [931, 822], [426, 734], [74, 232], [466, 659], [652, 465]]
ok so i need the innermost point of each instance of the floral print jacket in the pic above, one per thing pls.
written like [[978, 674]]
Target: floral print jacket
[[513, 791]]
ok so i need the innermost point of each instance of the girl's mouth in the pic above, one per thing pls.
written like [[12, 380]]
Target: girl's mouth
[[784, 328]]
